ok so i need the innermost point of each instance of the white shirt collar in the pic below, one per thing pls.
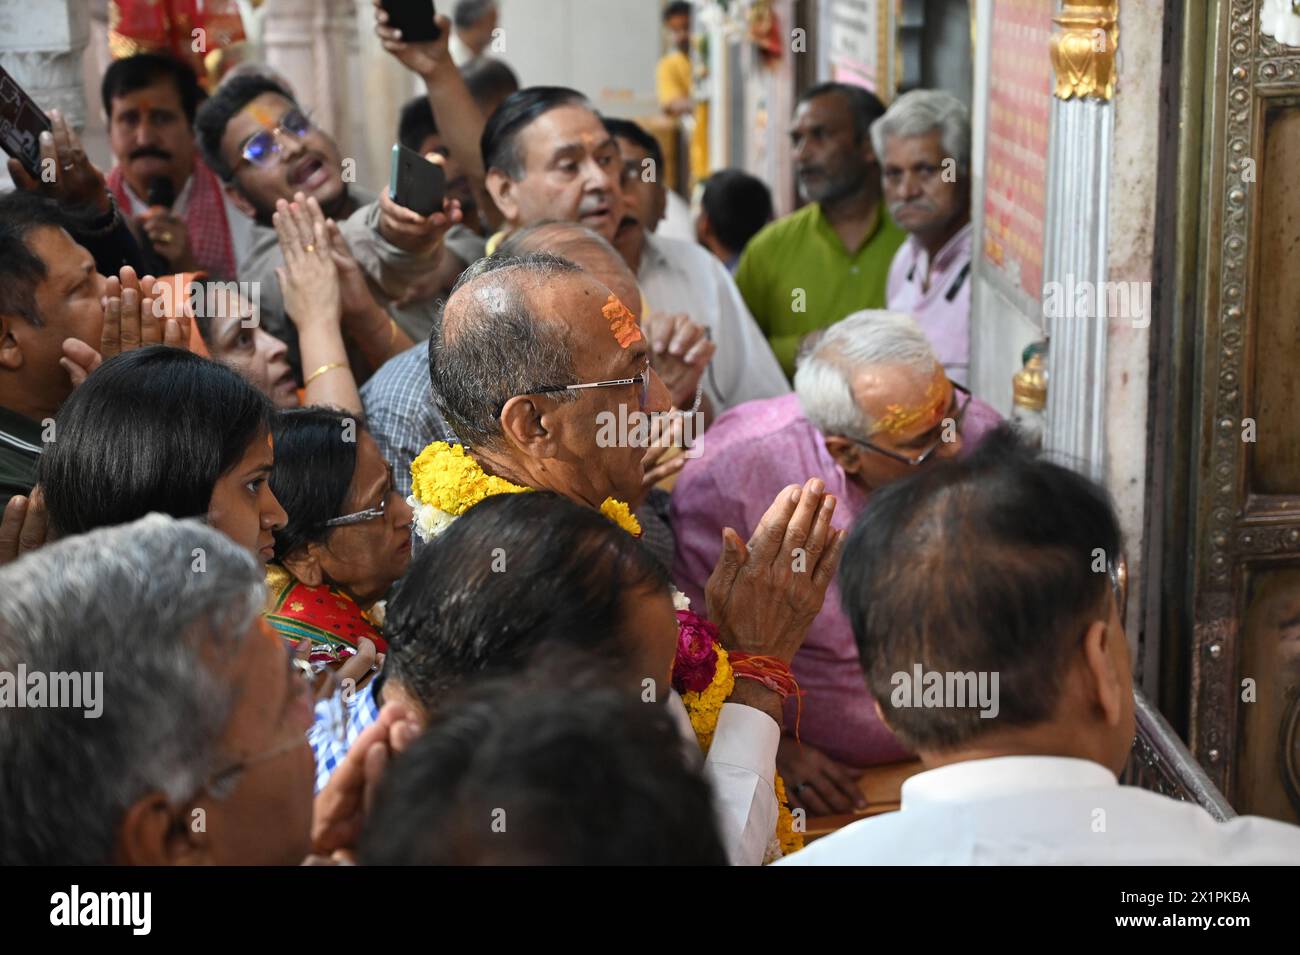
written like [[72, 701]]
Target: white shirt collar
[[999, 776], [140, 206]]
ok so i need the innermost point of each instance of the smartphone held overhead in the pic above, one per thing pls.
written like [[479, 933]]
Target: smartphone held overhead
[[414, 18], [21, 124]]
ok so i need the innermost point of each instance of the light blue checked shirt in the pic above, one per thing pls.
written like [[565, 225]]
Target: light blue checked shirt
[[329, 750]]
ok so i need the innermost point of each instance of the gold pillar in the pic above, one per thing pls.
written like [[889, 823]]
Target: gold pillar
[[1083, 53]]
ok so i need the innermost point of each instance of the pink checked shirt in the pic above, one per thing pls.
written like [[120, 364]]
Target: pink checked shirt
[[750, 453], [941, 308]]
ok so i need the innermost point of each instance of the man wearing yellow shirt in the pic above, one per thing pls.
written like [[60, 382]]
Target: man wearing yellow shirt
[[831, 258], [674, 81]]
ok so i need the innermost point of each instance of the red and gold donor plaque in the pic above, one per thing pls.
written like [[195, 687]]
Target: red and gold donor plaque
[[1015, 165]]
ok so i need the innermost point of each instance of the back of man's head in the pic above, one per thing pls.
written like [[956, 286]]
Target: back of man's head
[[488, 345], [220, 108], [518, 577], [738, 205], [490, 82], [499, 143], [415, 123], [992, 565], [137, 72], [126, 623], [21, 269], [492, 782], [467, 13]]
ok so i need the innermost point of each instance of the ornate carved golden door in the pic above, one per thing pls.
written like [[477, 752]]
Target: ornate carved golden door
[[1243, 451]]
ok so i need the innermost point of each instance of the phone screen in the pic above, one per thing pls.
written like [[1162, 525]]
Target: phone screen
[[21, 124], [414, 18]]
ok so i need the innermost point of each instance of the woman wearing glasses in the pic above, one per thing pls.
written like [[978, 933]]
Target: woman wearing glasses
[[347, 539]]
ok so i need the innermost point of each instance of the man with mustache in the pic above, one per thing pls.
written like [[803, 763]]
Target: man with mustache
[[682, 279], [923, 142], [831, 258], [150, 101]]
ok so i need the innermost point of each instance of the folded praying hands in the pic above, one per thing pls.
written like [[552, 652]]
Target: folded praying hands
[[130, 321], [763, 597]]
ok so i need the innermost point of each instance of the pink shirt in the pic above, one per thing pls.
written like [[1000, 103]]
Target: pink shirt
[[941, 308], [750, 453]]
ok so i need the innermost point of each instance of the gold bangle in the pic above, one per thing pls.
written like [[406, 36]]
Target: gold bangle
[[321, 370]]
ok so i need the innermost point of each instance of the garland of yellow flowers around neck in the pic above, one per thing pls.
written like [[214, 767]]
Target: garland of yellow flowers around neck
[[446, 482]]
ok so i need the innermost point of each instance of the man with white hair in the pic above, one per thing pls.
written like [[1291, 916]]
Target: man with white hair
[[177, 729], [872, 404], [923, 142]]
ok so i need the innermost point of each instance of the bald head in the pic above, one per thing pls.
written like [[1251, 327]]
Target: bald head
[[493, 341], [580, 245]]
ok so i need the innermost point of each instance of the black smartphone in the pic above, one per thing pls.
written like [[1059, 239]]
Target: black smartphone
[[21, 124], [417, 184], [414, 18]]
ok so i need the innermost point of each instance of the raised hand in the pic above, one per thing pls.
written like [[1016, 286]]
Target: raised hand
[[309, 278], [24, 526], [680, 351], [340, 808], [76, 180], [423, 59], [764, 597], [131, 321], [412, 232]]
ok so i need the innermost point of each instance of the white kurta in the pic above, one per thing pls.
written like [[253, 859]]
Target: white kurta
[[1047, 810], [683, 277], [741, 769]]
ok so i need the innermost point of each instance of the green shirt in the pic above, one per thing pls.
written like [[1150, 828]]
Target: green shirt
[[796, 276], [20, 449]]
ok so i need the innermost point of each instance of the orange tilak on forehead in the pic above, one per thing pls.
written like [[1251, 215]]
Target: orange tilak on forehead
[[262, 115], [621, 322], [898, 418]]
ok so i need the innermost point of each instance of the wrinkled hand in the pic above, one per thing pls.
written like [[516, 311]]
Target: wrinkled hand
[[361, 666], [680, 351], [24, 526], [76, 180], [824, 786], [131, 321], [764, 597], [412, 232], [170, 238], [340, 809], [423, 59], [309, 279]]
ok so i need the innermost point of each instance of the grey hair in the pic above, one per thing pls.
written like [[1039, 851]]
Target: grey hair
[[923, 111], [466, 13], [131, 603], [824, 379], [498, 348]]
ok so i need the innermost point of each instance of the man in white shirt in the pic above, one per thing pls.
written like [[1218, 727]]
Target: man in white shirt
[[475, 21], [682, 278], [987, 600]]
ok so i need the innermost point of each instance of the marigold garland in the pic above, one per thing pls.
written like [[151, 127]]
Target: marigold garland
[[446, 482], [705, 709]]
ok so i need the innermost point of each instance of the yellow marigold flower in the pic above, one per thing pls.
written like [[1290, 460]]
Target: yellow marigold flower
[[452, 481], [622, 515], [790, 840]]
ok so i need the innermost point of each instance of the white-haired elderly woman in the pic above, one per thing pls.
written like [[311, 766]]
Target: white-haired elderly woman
[[872, 404], [923, 143]]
